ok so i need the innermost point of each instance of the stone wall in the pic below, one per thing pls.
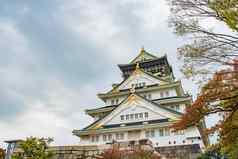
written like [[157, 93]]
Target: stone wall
[[75, 152], [92, 152], [179, 152]]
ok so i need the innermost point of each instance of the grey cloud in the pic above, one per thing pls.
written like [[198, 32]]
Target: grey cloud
[[67, 52]]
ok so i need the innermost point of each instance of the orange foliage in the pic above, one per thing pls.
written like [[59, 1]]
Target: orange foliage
[[2, 154], [219, 95], [116, 153]]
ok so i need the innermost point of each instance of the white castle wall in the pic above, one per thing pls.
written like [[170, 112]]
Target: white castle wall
[[173, 139], [153, 95]]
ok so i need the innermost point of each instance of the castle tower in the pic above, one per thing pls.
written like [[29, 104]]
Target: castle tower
[[143, 106]]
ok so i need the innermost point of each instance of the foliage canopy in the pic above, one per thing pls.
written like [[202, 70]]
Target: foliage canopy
[[2, 153], [211, 26], [34, 148], [210, 56]]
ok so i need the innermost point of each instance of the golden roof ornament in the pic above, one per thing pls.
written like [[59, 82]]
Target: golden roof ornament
[[142, 49], [137, 66], [133, 89], [137, 69]]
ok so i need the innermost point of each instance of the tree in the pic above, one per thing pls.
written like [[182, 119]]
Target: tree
[[213, 152], [34, 148], [210, 56], [208, 49], [219, 95], [2, 153], [132, 153]]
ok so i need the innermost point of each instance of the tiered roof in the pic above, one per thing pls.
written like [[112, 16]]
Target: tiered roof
[[158, 66], [133, 97]]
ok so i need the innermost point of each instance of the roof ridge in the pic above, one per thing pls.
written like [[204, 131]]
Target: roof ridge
[[142, 51], [138, 68], [167, 109]]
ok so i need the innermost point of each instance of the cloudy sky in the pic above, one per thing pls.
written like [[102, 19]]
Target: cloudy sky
[[57, 55]]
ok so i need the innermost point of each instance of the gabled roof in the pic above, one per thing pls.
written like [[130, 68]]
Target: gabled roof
[[173, 99], [104, 116], [162, 101], [143, 56], [173, 84], [137, 71], [132, 96]]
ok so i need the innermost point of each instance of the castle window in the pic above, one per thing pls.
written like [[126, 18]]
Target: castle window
[[136, 116], [161, 132], [147, 134], [138, 85], [146, 114], [149, 96], [110, 137], [119, 136], [117, 101], [150, 133], [132, 85], [104, 137], [179, 132], [177, 107], [167, 93], [112, 102], [166, 131], [97, 138], [143, 84], [93, 138], [161, 94]]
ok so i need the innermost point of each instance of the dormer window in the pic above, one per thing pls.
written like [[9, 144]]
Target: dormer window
[[114, 101], [132, 85], [135, 116], [110, 137], [146, 115], [143, 84], [117, 101], [167, 93], [150, 133], [149, 96], [161, 94], [138, 85]]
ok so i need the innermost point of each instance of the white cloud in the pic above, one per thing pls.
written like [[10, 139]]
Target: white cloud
[[55, 80]]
